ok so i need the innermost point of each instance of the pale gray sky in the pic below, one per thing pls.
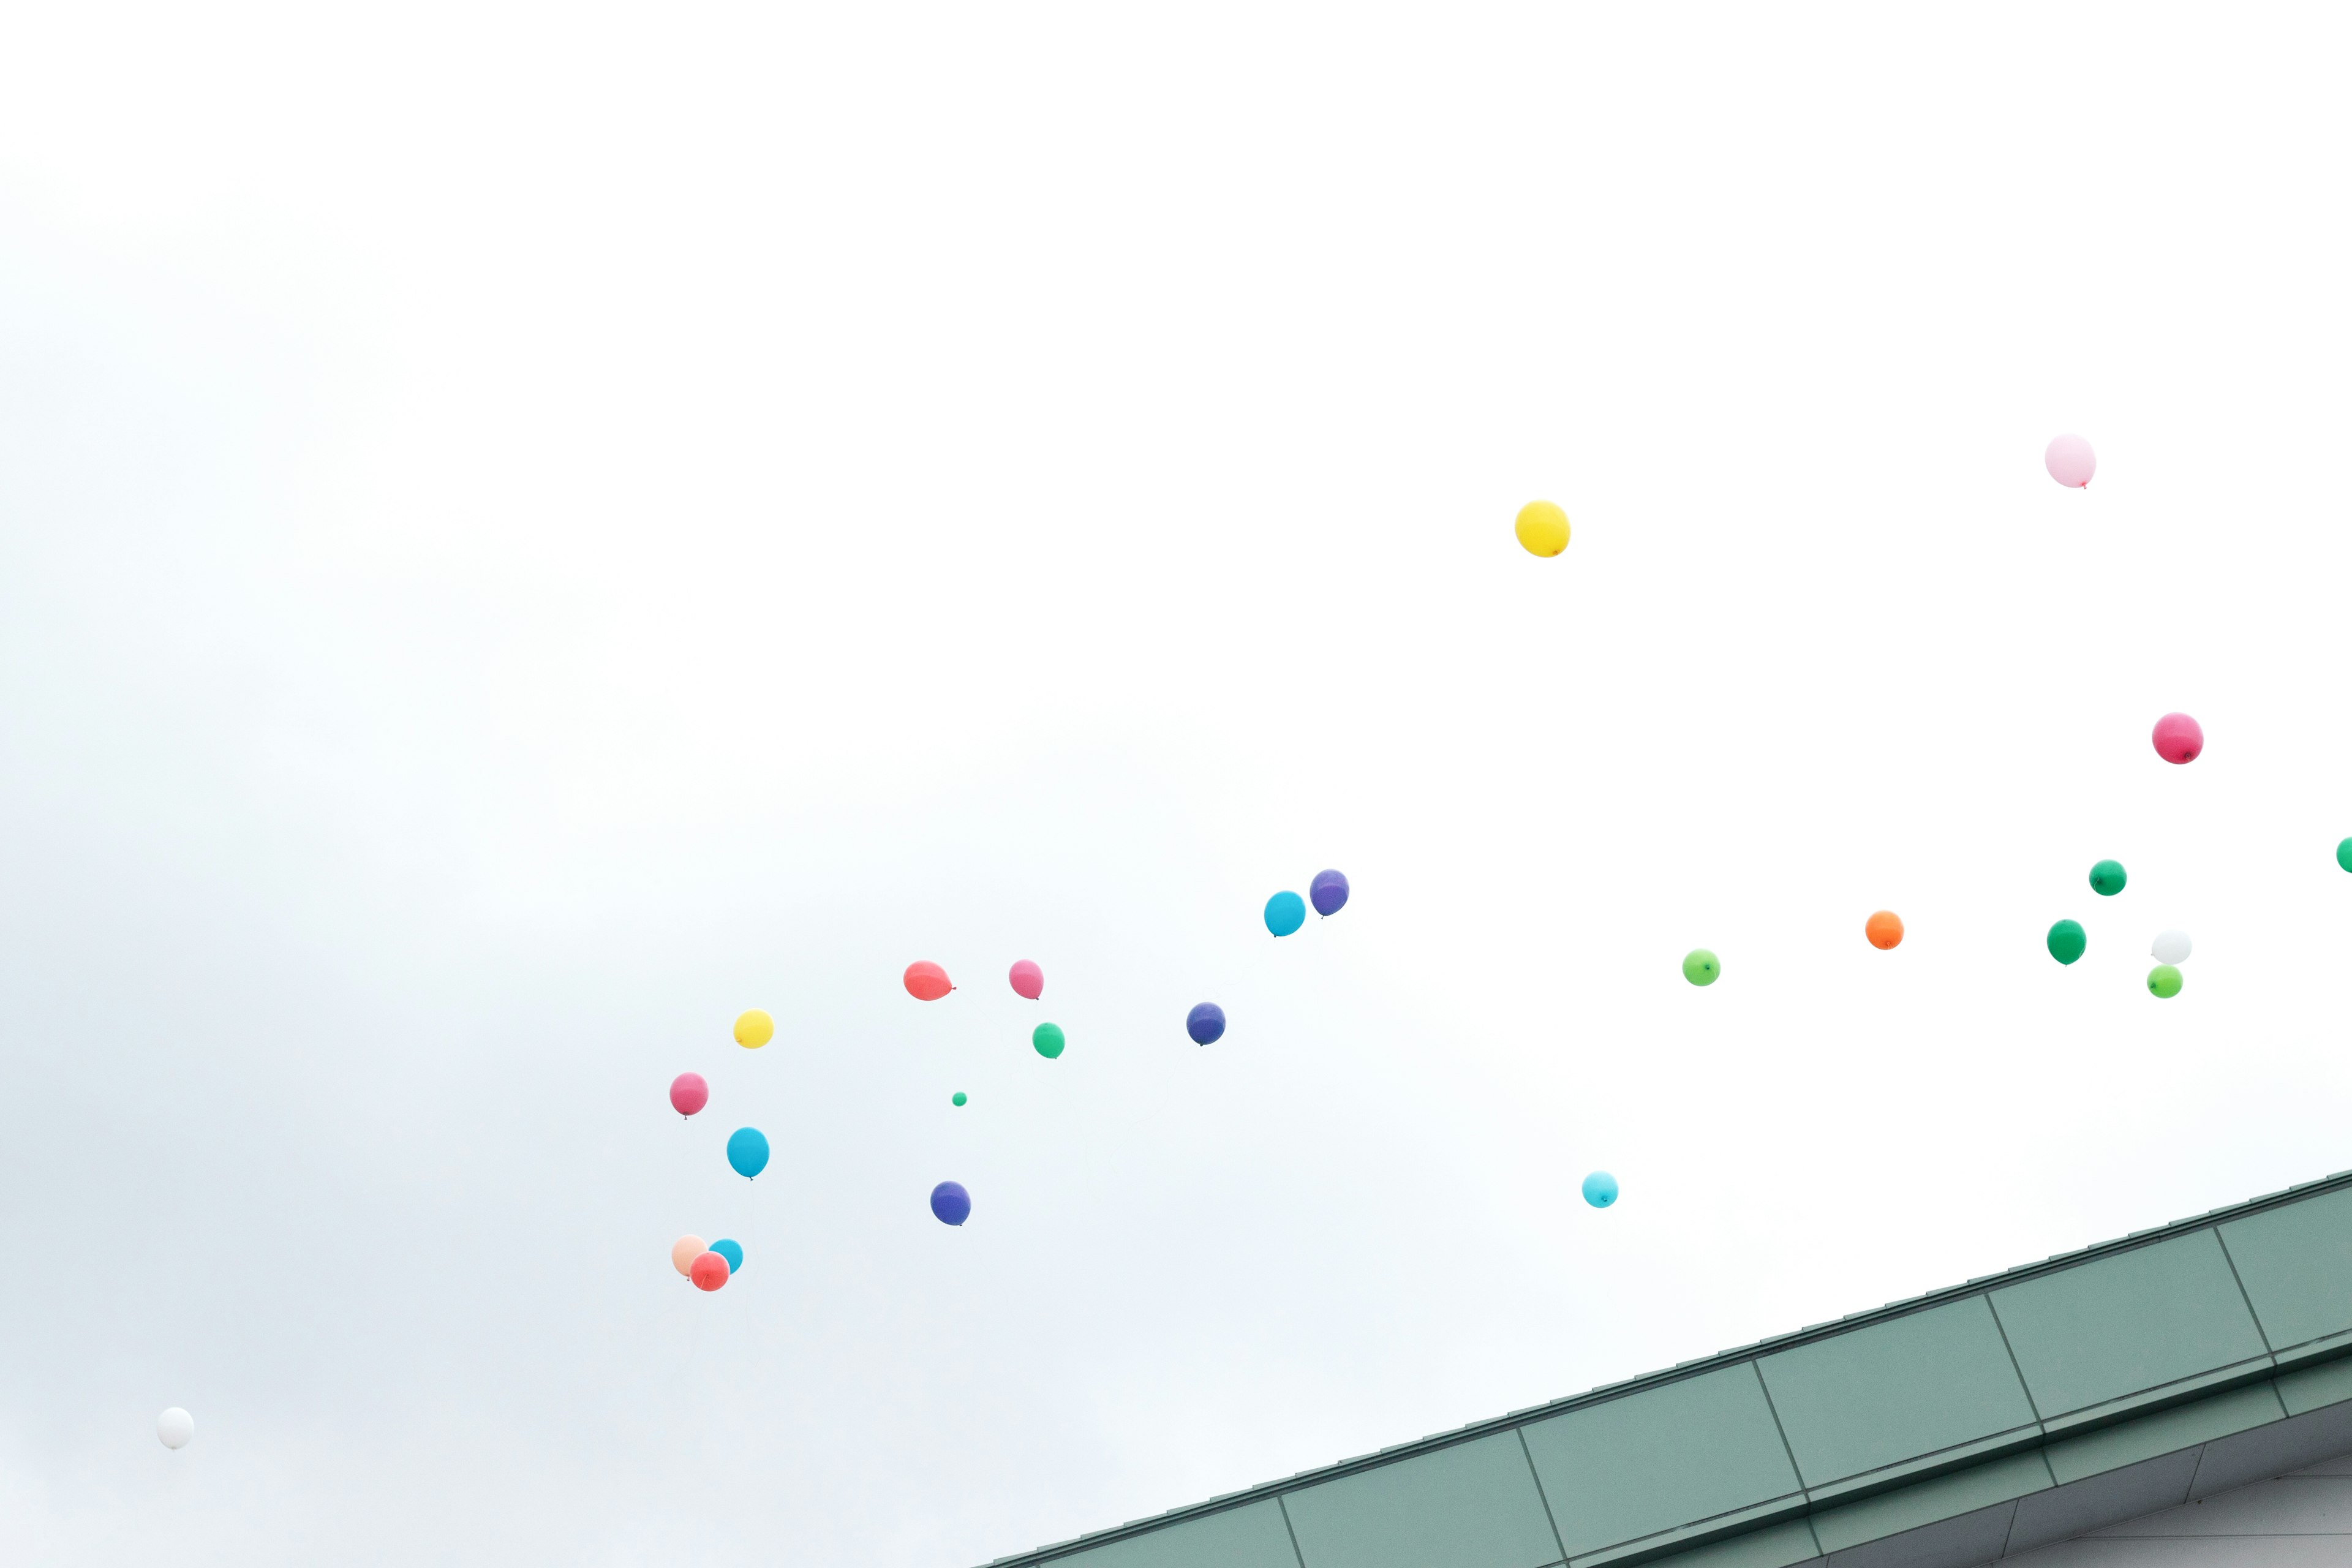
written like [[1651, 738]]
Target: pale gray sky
[[526, 532]]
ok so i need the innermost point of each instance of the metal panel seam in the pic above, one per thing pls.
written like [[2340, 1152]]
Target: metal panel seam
[[1289, 1530], [2223, 1243], [1756, 1365], [1528, 1455], [2016, 1366]]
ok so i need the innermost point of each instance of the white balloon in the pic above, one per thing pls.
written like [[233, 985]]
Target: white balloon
[[2171, 947], [175, 1427]]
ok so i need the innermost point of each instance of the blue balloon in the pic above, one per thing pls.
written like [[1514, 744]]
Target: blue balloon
[[951, 1203], [747, 1151], [733, 1252], [1601, 1189], [1329, 891], [1285, 913], [1205, 1023]]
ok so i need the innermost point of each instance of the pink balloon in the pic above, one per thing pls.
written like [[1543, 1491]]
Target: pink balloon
[[2070, 462], [1028, 980], [2177, 738], [689, 1093], [709, 1270], [684, 1251]]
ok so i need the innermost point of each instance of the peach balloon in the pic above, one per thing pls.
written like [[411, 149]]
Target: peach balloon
[[684, 1251], [2070, 461], [1883, 929]]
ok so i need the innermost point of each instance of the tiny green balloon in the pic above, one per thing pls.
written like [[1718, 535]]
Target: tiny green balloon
[[2108, 878], [1047, 1038], [958, 1099], [2344, 855], [2067, 941], [1700, 967], [2164, 980]]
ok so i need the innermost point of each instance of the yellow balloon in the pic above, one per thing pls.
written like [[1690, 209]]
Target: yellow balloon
[[1543, 528], [754, 1029]]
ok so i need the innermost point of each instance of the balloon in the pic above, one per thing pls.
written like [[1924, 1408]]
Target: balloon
[[2070, 462], [957, 1099], [1700, 967], [951, 1203], [1205, 1023], [2067, 941], [2170, 947], [1542, 528], [689, 1093], [747, 1151], [733, 1252], [2164, 980], [926, 981], [754, 1029], [1883, 929], [2178, 737], [175, 1427], [1329, 891], [1285, 913], [2108, 878], [1601, 1189], [2344, 853], [709, 1271], [1028, 980], [1047, 1038], [684, 1251]]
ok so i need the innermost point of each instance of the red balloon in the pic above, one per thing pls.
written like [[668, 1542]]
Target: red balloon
[[689, 1093], [926, 981], [709, 1270]]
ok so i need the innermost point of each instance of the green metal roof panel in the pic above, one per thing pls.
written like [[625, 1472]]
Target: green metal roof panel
[[1251, 1536], [2296, 1265], [1660, 1458], [2128, 1325], [1472, 1504], [1934, 1502], [1895, 1390], [2163, 1432]]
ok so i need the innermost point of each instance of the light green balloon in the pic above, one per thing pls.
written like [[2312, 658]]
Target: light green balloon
[[2067, 941], [1700, 967], [1047, 1038], [959, 1097], [2164, 980]]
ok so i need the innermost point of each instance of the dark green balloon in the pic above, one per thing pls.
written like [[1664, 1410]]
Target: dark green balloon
[[2164, 980], [2108, 878], [1047, 1038], [2067, 941], [2344, 855]]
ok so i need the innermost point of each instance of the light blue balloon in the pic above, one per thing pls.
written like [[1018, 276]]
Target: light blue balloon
[[1601, 1189], [733, 1252], [747, 1151], [1285, 913]]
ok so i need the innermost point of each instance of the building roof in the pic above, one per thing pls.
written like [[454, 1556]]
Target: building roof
[[1953, 1427]]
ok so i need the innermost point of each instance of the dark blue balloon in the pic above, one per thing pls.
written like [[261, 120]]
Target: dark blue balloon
[[747, 1151], [1205, 1023], [733, 1252], [1329, 891], [951, 1203]]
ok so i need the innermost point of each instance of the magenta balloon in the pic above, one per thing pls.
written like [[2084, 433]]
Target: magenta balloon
[[689, 1093], [1029, 980], [2178, 737], [2070, 462]]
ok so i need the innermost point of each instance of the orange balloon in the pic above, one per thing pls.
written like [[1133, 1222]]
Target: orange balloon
[[926, 981], [1883, 929], [684, 1251], [709, 1270]]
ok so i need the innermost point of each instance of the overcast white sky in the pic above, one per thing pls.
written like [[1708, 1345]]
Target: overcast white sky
[[526, 532]]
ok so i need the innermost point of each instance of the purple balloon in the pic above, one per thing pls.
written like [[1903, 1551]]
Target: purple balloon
[[1205, 1023], [951, 1203], [1329, 893]]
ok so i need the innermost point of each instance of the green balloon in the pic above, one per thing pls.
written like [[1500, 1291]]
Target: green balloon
[[2344, 855], [2108, 878], [1049, 1040], [959, 1097], [1699, 967], [2067, 941], [2164, 980]]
